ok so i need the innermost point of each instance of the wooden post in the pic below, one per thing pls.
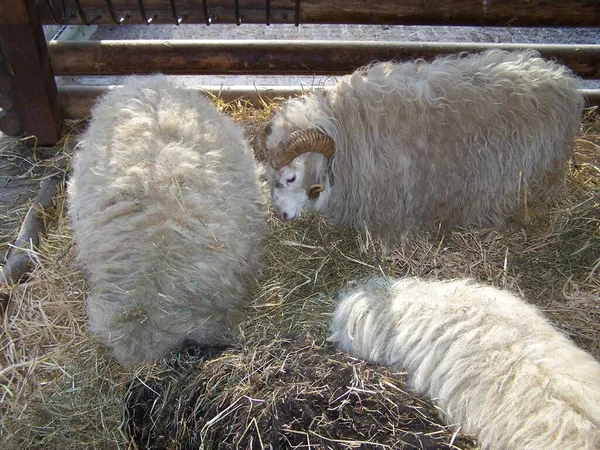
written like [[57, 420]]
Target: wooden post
[[27, 83]]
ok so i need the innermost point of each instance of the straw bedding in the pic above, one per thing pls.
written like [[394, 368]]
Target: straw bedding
[[281, 385]]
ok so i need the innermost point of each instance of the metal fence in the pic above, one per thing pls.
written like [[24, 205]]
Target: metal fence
[[31, 102]]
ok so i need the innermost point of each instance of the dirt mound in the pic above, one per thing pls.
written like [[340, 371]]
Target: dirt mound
[[301, 395]]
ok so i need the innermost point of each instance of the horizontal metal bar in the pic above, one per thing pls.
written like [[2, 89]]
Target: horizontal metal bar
[[217, 57], [534, 13], [77, 101], [592, 96]]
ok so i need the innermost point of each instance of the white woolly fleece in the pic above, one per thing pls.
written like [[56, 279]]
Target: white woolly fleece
[[491, 361], [168, 217], [459, 141]]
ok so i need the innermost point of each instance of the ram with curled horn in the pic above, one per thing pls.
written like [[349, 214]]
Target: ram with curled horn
[[299, 143], [468, 140]]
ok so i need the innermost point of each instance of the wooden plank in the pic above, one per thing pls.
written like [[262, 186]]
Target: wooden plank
[[77, 100], [269, 57], [533, 13], [27, 74]]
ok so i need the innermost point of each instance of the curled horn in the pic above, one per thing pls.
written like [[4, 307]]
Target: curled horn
[[299, 142], [260, 142]]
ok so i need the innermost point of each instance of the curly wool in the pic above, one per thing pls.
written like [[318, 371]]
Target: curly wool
[[460, 141], [491, 361], [168, 217]]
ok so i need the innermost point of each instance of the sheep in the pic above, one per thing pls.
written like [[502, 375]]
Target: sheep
[[491, 361], [396, 148], [169, 220]]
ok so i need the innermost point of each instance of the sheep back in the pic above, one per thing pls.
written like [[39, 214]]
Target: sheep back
[[492, 362], [168, 217], [466, 140]]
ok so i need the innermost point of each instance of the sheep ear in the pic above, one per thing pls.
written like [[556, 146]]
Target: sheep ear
[[314, 191]]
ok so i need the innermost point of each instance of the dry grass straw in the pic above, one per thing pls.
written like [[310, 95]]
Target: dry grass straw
[[50, 371], [22, 169], [280, 385], [281, 393]]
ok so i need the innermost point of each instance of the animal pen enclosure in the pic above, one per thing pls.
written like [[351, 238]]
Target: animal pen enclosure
[[281, 386], [32, 104]]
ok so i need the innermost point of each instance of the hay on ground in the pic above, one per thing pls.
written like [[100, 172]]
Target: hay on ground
[[291, 394], [279, 384]]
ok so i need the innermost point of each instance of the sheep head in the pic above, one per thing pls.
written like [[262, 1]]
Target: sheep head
[[294, 175]]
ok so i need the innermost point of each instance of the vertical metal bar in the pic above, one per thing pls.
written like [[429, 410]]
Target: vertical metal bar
[[207, 18], [143, 13], [81, 13], [53, 12], [176, 17], [113, 15], [238, 19], [268, 12], [297, 13], [64, 10]]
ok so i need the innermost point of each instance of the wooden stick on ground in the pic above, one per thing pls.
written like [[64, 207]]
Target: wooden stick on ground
[[19, 260]]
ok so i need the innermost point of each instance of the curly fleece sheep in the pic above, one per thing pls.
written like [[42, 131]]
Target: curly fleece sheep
[[491, 361], [169, 220], [460, 141]]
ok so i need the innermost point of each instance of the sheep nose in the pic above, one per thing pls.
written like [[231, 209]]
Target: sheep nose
[[281, 214]]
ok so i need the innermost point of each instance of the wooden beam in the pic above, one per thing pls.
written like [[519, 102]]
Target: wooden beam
[[531, 13], [77, 100], [534, 13], [270, 57], [26, 74]]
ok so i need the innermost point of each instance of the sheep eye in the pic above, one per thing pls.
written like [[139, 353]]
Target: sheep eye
[[291, 179]]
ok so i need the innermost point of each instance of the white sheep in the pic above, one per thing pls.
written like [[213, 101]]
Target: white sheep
[[491, 361], [168, 217], [460, 141]]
